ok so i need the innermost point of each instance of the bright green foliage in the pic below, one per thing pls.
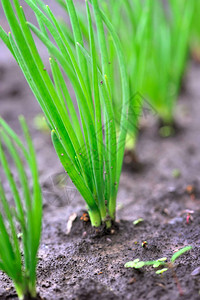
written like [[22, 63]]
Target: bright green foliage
[[84, 133], [137, 264], [161, 262], [131, 20], [40, 123], [155, 40], [161, 271], [195, 31], [18, 259], [180, 252], [136, 222], [168, 55]]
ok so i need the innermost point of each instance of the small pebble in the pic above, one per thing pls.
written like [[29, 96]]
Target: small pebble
[[84, 234], [196, 272], [132, 280], [175, 220], [171, 189], [108, 240]]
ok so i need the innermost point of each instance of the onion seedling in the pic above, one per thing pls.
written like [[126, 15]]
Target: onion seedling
[[131, 20], [168, 55], [84, 136], [155, 39], [195, 31], [23, 219]]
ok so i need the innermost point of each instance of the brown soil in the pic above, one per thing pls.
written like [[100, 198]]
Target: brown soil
[[90, 265]]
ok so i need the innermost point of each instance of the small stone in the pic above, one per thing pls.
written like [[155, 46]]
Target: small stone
[[196, 272], [175, 220], [132, 280], [166, 211], [70, 221], [171, 189], [84, 234], [108, 240], [190, 189]]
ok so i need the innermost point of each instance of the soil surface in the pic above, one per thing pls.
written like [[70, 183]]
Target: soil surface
[[85, 265]]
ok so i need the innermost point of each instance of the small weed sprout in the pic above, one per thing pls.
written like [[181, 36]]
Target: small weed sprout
[[20, 224], [138, 221], [161, 262]]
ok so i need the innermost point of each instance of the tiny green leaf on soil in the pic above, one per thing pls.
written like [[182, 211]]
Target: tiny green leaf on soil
[[136, 222], [136, 264], [180, 252]]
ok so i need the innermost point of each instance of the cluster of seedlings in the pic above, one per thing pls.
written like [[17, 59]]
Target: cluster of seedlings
[[144, 52]]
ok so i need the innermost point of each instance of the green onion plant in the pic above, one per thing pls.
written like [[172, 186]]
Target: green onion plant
[[20, 223], [168, 55], [195, 31], [84, 131], [155, 39], [131, 20]]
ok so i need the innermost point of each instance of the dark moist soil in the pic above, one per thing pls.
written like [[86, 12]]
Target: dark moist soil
[[87, 264]]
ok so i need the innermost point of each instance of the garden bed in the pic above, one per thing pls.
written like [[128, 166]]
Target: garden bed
[[85, 265]]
